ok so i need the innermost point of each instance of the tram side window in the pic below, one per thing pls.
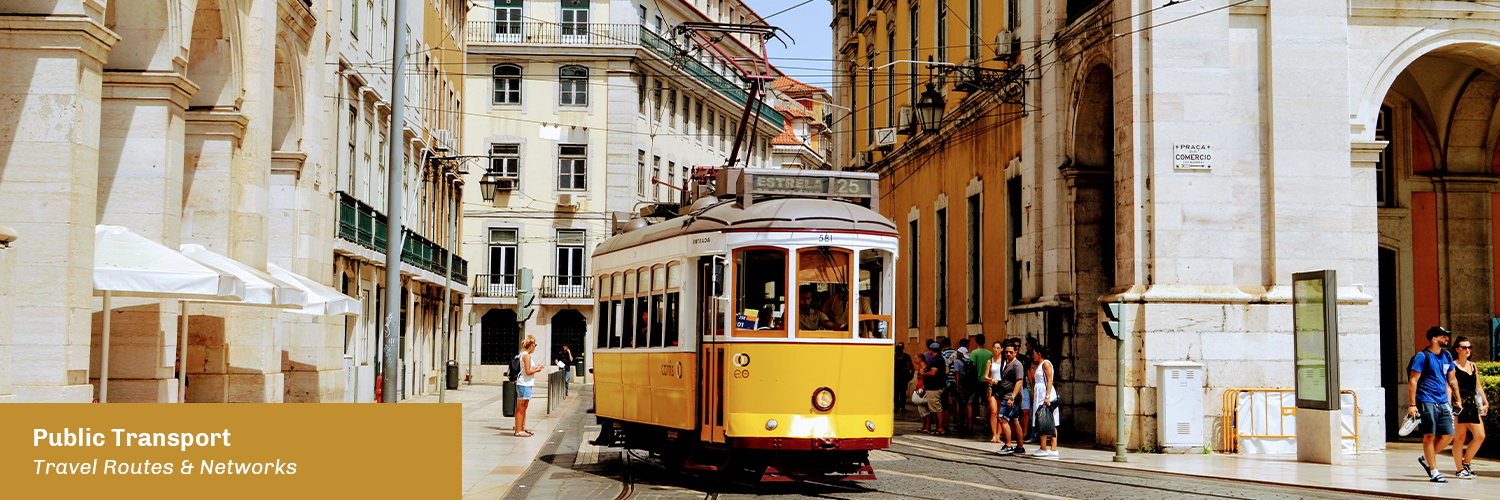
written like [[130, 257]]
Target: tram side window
[[617, 286], [643, 308], [602, 335], [823, 290], [674, 290], [627, 327], [760, 289], [875, 320], [658, 307]]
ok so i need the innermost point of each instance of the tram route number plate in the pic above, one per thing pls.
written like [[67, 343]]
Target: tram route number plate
[[809, 185]]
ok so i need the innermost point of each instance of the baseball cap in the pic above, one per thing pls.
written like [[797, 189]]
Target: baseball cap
[[934, 346], [1437, 331]]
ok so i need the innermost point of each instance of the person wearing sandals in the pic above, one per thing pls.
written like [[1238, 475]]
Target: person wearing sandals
[[530, 366], [1469, 421], [1431, 389], [1046, 395]]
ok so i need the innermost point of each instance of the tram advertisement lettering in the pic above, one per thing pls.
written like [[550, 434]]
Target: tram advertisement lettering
[[748, 320], [741, 360]]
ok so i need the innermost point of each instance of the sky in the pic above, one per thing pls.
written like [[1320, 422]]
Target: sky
[[808, 25]]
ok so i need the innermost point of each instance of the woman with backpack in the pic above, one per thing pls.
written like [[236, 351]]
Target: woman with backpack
[[530, 366]]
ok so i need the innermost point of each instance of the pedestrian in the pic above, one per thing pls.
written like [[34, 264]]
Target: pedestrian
[[1009, 375], [950, 384], [904, 372], [565, 363], [968, 392], [1431, 390], [1043, 406], [525, 383], [1025, 383], [934, 379], [980, 358], [1469, 421]]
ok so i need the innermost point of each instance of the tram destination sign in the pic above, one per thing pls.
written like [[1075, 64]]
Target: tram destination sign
[[809, 185]]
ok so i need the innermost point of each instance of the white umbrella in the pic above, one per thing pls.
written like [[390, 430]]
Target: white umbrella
[[322, 299], [130, 265], [261, 290]]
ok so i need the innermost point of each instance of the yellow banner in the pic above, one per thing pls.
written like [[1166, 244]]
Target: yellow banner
[[230, 450]]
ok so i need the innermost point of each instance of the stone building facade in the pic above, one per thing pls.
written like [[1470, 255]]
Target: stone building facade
[[1357, 136], [582, 117], [187, 121]]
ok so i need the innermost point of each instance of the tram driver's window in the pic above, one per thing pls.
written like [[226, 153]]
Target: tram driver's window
[[823, 290], [760, 289]]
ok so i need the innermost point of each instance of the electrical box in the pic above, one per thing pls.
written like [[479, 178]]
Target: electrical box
[[1179, 405]]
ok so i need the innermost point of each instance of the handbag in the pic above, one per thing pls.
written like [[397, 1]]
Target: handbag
[[1044, 425], [919, 397]]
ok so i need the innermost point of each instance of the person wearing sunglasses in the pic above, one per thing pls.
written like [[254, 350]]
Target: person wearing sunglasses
[[1432, 390], [1473, 407]]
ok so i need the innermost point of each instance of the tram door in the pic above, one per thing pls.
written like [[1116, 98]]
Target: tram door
[[710, 351]]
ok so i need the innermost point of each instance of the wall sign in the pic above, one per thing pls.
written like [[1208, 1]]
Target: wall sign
[[1192, 156]]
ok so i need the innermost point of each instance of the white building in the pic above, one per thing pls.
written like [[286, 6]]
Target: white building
[[585, 116]]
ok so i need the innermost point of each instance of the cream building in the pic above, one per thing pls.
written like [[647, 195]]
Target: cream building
[[806, 141], [1358, 136], [210, 122], [583, 114]]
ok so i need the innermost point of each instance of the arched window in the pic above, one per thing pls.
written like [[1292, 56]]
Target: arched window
[[507, 84], [574, 85]]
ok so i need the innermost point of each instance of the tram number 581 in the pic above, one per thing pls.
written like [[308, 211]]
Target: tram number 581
[[825, 238], [741, 373]]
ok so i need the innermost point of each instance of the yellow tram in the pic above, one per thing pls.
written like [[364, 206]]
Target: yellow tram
[[753, 331]]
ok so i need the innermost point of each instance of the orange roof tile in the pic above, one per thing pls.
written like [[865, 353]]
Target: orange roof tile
[[795, 88]]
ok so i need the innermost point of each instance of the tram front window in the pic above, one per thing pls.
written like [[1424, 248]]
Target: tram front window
[[760, 290], [823, 293]]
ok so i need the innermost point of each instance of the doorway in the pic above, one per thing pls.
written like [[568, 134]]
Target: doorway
[[569, 329], [499, 337], [1391, 371]]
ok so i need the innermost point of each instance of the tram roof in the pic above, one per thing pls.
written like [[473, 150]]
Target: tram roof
[[791, 214]]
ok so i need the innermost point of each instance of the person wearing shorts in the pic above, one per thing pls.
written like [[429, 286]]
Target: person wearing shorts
[[934, 378], [1009, 375], [1432, 390]]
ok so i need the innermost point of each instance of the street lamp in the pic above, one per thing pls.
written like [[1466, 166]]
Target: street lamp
[[487, 186], [930, 110]]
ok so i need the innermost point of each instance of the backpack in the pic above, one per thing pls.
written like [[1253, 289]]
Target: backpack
[[970, 374], [515, 368], [955, 368]]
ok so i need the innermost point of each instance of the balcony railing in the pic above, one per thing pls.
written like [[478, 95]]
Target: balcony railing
[[567, 287], [361, 224], [532, 33], [494, 285]]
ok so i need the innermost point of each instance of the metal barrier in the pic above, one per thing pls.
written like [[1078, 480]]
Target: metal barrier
[[557, 388], [1271, 413]]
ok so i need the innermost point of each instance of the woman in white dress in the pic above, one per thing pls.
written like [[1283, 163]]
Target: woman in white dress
[[1045, 394]]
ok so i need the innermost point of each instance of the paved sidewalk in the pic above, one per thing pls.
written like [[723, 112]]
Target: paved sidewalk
[[1393, 472], [493, 457]]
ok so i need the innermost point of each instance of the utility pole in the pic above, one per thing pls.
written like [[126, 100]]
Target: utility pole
[[394, 230], [1114, 325], [447, 291]]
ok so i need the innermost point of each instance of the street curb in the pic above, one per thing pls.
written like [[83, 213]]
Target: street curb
[[1184, 474], [535, 471]]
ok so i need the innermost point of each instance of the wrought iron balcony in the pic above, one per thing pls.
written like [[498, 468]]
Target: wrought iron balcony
[[494, 285], [567, 287], [361, 224], [533, 33]]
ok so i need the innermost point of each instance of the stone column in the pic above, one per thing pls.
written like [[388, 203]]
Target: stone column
[[140, 187], [7, 294], [49, 136]]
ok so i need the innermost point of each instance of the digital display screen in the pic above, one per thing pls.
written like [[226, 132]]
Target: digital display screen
[[798, 184]]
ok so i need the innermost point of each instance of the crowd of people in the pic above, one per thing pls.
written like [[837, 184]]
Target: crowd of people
[[963, 391]]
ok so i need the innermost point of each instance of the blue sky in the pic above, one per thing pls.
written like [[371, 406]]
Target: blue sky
[[808, 25]]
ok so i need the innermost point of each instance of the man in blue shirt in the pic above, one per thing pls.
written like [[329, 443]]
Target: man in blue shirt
[[1430, 390]]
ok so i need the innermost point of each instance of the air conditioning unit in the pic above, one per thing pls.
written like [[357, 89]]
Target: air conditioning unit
[[442, 140], [1005, 43], [566, 200], [504, 184], [863, 159], [906, 121], [966, 77]]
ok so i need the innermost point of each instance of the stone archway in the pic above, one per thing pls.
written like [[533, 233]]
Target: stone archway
[[1090, 178]]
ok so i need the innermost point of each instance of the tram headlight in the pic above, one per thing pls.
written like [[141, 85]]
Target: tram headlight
[[771, 424], [870, 426], [822, 399]]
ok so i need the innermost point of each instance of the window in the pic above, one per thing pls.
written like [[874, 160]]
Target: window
[[574, 84], [823, 307], [674, 299], [507, 84], [940, 42], [913, 273], [973, 26], [870, 109], [505, 161], [640, 169], [698, 121], [912, 73], [655, 176], [658, 100], [501, 281], [508, 20], [672, 108], [890, 79], [640, 89], [873, 323], [976, 239], [760, 292], [643, 15], [658, 23], [1013, 15], [658, 304], [354, 19], [572, 167], [604, 323], [627, 312], [570, 268], [575, 18], [687, 111], [723, 137], [1384, 178], [643, 307], [671, 177], [712, 139], [353, 150], [940, 261]]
